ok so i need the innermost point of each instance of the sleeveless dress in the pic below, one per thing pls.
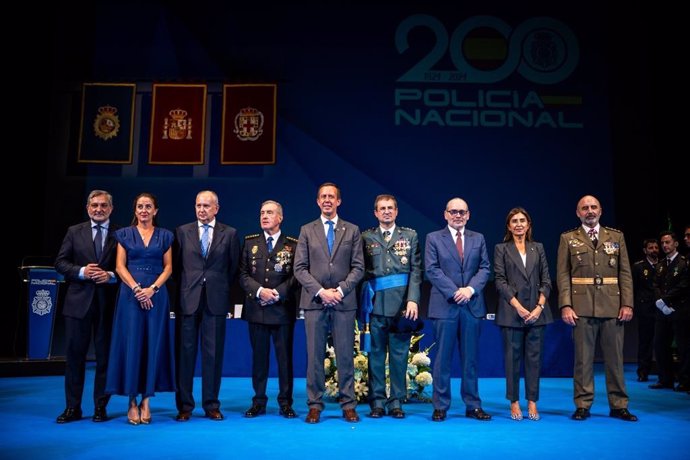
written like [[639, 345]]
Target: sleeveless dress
[[141, 351]]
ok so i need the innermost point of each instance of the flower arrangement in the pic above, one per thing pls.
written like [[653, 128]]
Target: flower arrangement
[[418, 371]]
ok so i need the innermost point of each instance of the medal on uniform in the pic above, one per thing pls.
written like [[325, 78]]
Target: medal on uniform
[[612, 262], [255, 249], [253, 262], [278, 268], [253, 270], [403, 260]]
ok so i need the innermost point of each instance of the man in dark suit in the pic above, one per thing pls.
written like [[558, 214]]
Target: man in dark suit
[[205, 260], [393, 264], [267, 277], [595, 293], [458, 267], [645, 311], [87, 261], [672, 299], [329, 264]]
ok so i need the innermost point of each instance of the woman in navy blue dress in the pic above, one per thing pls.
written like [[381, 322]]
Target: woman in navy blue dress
[[141, 356]]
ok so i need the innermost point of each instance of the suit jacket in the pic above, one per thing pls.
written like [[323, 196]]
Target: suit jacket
[[77, 251], [643, 274], [523, 281], [315, 269], [446, 273], [217, 269], [399, 255], [578, 258], [274, 270], [673, 287]]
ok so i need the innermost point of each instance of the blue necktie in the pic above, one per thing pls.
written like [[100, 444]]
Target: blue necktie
[[269, 243], [98, 242], [204, 240], [330, 236]]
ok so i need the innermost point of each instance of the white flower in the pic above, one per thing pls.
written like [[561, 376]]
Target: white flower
[[331, 352], [361, 389], [424, 379], [326, 364], [421, 359], [361, 362]]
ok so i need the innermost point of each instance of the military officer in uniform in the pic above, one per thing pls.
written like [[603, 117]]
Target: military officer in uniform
[[267, 277], [596, 297], [643, 282], [393, 276]]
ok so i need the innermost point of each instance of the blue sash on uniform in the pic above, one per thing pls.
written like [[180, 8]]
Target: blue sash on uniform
[[369, 288]]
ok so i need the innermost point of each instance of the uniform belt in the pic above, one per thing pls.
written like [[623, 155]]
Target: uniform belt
[[597, 280]]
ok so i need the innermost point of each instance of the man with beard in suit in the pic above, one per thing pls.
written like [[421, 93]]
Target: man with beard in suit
[[87, 261]]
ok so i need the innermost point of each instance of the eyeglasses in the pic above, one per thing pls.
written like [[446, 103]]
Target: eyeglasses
[[456, 212]]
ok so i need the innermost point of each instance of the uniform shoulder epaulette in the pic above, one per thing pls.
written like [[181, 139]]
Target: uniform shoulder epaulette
[[292, 238], [613, 229], [371, 230], [570, 231], [254, 235], [408, 229]]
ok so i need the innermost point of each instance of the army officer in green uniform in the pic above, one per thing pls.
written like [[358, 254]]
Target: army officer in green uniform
[[596, 297], [393, 278], [268, 280]]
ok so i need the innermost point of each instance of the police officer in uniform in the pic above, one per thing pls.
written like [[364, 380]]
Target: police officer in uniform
[[596, 297], [393, 278], [267, 277], [645, 311], [672, 283]]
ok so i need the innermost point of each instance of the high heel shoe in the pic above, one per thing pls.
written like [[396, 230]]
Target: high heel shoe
[[144, 420], [515, 412], [532, 413], [133, 420]]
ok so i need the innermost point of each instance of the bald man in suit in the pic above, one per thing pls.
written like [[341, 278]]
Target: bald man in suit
[[329, 263], [89, 302], [456, 306]]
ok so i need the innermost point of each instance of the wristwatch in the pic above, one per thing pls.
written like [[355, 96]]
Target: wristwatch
[[156, 289]]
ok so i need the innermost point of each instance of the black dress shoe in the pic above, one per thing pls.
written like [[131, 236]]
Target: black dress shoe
[[214, 414], [183, 416], [377, 412], [438, 415], [255, 411], [478, 414], [661, 385], [71, 414], [580, 414], [623, 414], [396, 413], [100, 415], [287, 411]]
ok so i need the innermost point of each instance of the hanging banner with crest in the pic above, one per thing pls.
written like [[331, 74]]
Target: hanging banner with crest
[[178, 124], [249, 124], [107, 123]]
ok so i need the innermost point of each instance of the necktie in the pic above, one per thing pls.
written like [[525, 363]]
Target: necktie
[[593, 235], [668, 262], [458, 244], [269, 243], [98, 242], [204, 240], [330, 236], [386, 236]]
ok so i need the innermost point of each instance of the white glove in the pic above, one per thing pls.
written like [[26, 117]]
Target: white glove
[[665, 309]]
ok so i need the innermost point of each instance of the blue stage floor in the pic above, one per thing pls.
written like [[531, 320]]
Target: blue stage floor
[[29, 406]]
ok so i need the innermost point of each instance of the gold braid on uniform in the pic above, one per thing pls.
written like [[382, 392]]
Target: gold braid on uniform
[[292, 238], [255, 235]]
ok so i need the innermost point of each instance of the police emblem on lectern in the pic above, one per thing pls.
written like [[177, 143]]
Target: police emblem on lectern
[[41, 304]]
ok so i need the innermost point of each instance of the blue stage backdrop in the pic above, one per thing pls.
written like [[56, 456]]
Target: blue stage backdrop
[[503, 105]]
